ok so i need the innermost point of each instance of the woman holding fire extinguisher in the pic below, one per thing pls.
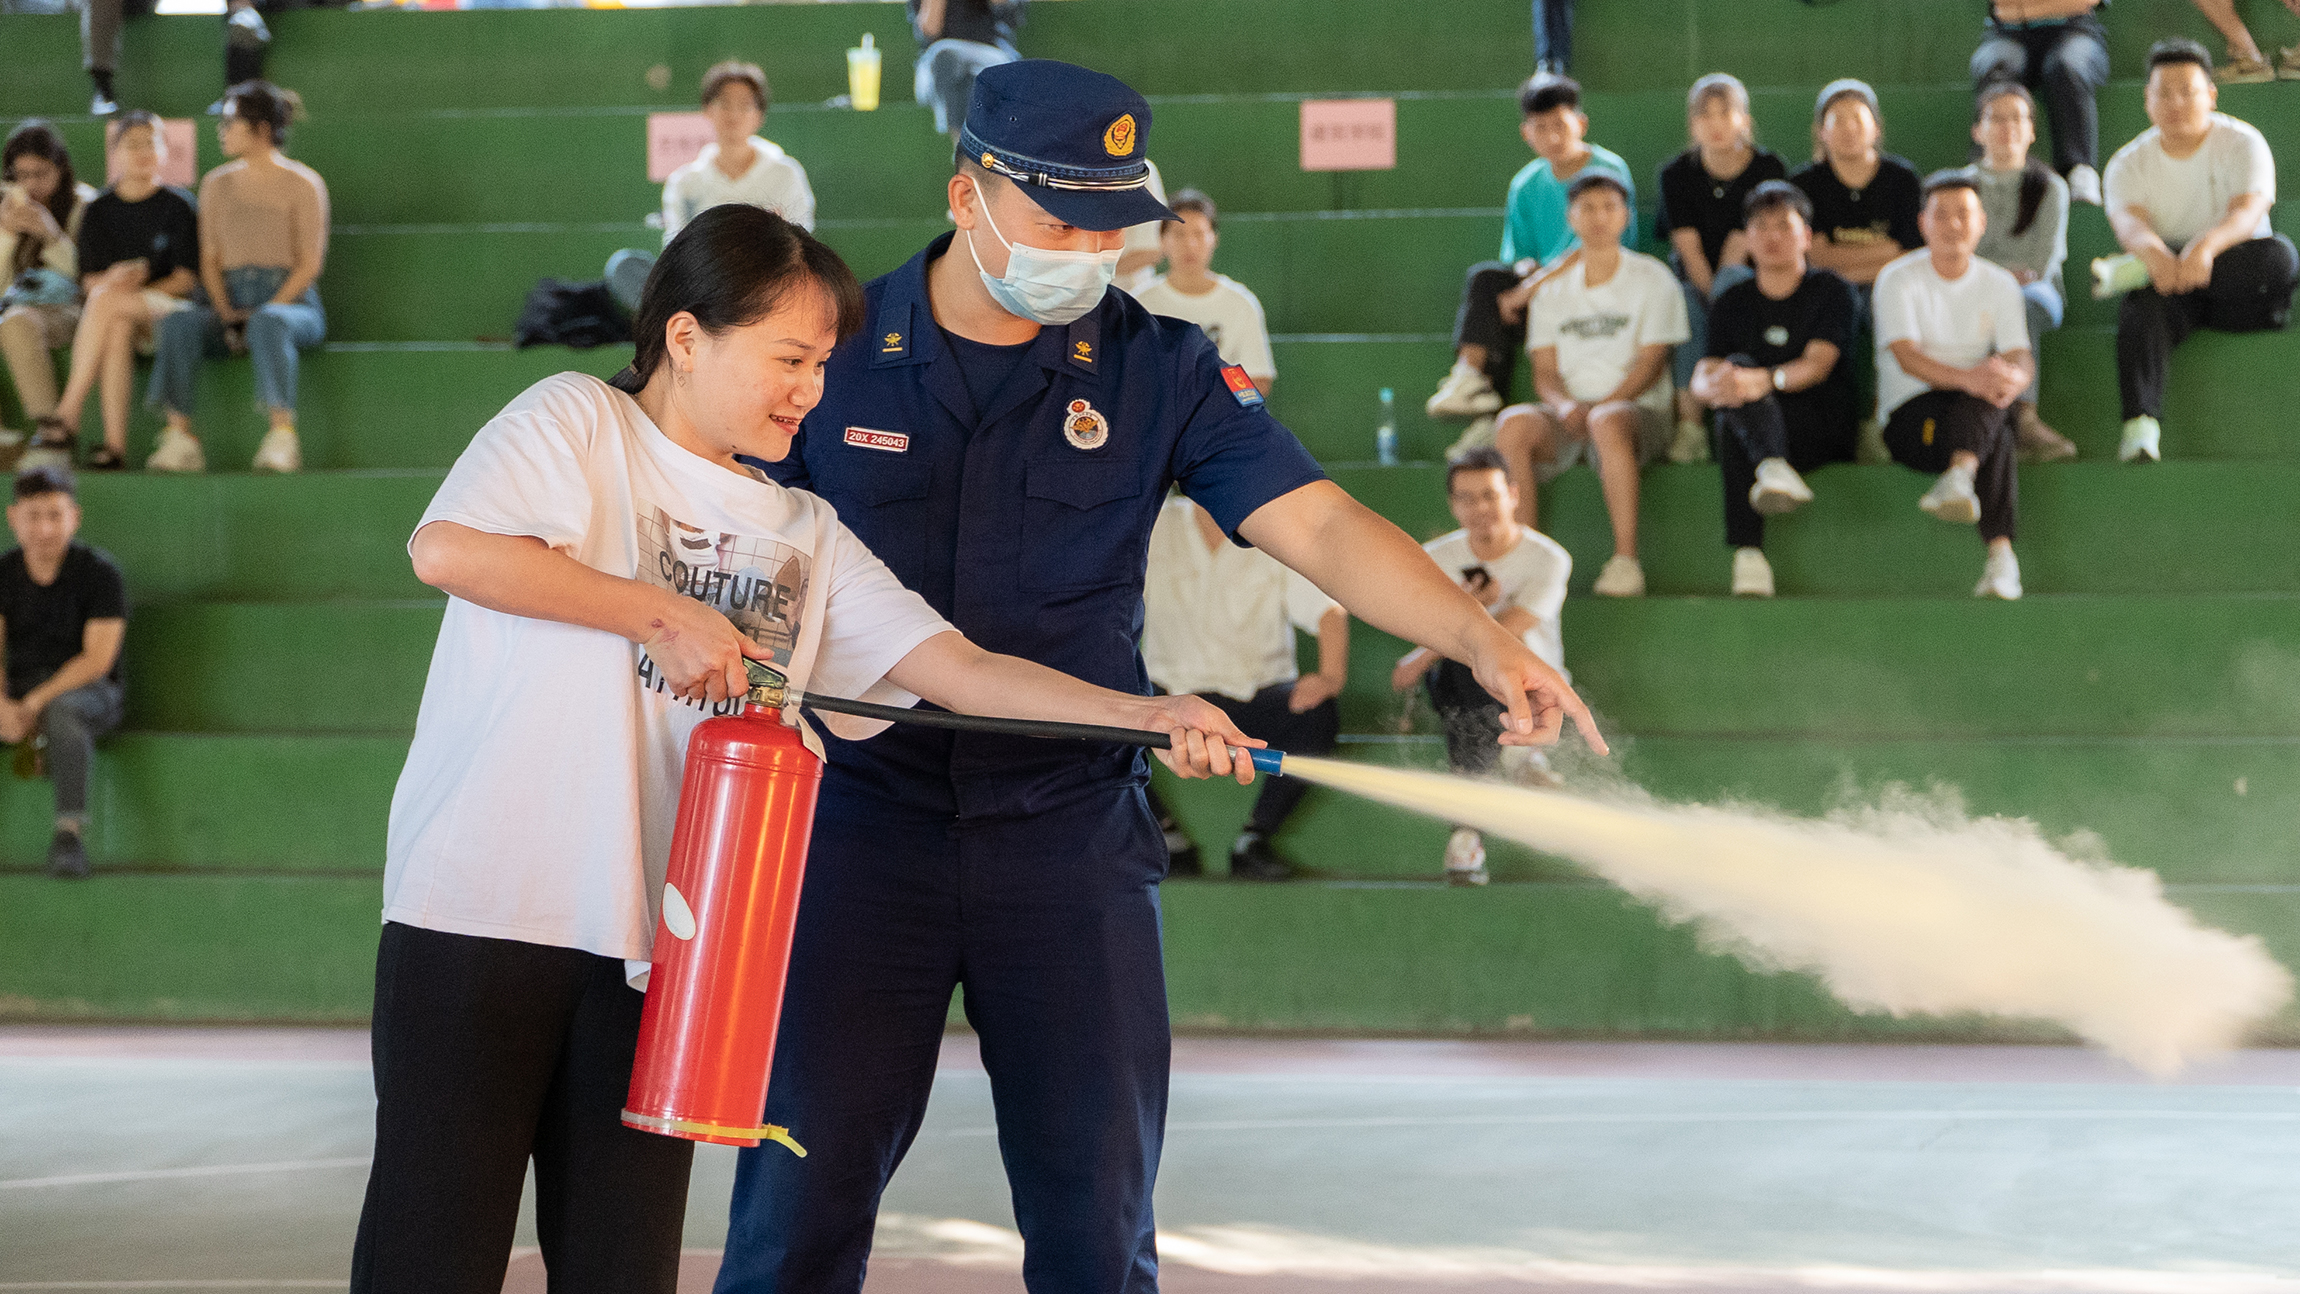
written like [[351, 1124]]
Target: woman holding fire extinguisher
[[612, 563]]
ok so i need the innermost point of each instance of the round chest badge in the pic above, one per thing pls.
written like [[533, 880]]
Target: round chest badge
[[1084, 428], [1776, 336]]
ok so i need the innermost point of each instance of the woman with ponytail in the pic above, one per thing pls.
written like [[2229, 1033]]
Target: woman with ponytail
[[2027, 209]]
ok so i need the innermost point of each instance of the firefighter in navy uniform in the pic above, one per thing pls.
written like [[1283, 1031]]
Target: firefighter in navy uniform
[[1002, 433]]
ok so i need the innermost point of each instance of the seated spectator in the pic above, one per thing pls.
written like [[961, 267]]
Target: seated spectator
[[1601, 334], [1489, 330], [2190, 198], [1230, 314], [1777, 374], [1519, 574], [1864, 200], [140, 255], [1218, 620], [263, 241], [1952, 358], [956, 40], [1553, 36], [1703, 192], [2027, 209], [740, 165], [2247, 65], [40, 212], [63, 610], [2059, 48]]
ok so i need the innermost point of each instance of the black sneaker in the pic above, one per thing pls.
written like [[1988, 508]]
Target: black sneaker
[[1252, 859], [1182, 854], [67, 857]]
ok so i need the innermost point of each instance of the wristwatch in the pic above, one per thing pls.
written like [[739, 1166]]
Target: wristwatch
[[1780, 379]]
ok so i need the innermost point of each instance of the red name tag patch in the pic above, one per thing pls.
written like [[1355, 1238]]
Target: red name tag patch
[[893, 442], [1241, 386]]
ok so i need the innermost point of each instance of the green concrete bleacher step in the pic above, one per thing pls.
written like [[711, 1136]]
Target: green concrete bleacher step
[[1557, 959], [227, 801], [317, 535], [2198, 812], [279, 667]]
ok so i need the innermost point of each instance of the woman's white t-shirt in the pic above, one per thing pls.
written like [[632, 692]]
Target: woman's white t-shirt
[[539, 795]]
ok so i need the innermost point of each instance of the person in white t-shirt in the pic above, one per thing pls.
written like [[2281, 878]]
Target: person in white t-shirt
[[1228, 312], [739, 165], [613, 558], [1138, 260], [1218, 621], [1953, 356], [1601, 337], [2190, 198], [1519, 574]]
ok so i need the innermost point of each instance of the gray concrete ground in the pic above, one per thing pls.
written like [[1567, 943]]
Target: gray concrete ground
[[233, 1160]]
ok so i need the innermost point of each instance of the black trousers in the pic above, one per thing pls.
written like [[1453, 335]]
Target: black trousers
[[1315, 731], [1479, 322], [1770, 428], [1553, 35], [2066, 64], [1471, 716], [489, 1052], [1928, 428], [2251, 290]]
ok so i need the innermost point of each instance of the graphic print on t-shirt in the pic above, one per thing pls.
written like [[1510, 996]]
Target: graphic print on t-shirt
[[1594, 327], [757, 583]]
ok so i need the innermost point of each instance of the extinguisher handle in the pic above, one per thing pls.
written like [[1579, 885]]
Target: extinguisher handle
[[1268, 761]]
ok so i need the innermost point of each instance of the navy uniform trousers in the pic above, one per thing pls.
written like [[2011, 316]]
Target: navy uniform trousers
[[1051, 925]]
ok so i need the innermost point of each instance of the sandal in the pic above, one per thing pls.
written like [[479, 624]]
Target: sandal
[[107, 459], [52, 443]]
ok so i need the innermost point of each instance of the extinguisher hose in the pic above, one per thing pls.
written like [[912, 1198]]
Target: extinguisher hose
[[1267, 761]]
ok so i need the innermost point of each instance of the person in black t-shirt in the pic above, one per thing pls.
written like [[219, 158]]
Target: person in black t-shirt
[[1776, 374], [1865, 201], [956, 40], [1703, 190], [140, 260], [63, 610]]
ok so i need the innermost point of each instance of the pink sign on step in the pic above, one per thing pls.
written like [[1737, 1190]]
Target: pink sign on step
[[179, 166], [1349, 134], [673, 140]]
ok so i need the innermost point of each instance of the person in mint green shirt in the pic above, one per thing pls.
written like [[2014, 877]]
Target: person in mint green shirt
[[1536, 241]]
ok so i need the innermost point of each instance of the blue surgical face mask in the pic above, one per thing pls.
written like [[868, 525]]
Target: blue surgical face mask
[[1048, 287]]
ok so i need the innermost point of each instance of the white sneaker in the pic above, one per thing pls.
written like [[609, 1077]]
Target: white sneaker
[[1527, 766], [1690, 444], [2142, 441], [1952, 499], [1622, 577], [280, 452], [2084, 185], [1478, 435], [1752, 574], [1465, 393], [1465, 858], [178, 452], [1778, 489], [2000, 577]]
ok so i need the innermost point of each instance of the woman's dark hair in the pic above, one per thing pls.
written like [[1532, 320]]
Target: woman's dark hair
[[2035, 176], [260, 103], [37, 138], [731, 266], [734, 72]]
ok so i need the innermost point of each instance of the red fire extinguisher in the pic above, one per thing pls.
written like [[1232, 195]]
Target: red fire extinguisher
[[730, 904]]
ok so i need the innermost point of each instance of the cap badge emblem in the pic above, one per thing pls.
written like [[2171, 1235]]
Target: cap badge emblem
[[1118, 141], [1084, 428]]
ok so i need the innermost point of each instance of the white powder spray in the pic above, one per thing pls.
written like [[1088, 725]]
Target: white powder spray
[[1904, 908]]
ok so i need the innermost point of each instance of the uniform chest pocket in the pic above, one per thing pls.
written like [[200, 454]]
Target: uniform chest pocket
[[891, 518], [1079, 525]]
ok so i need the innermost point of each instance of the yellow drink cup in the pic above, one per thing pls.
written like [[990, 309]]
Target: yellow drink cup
[[862, 75]]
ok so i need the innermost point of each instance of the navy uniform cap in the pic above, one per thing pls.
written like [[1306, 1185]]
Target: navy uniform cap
[[1077, 140]]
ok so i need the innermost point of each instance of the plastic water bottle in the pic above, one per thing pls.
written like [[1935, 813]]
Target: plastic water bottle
[[1386, 432]]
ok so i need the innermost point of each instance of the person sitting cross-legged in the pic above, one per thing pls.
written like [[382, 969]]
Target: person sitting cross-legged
[[1777, 376], [1601, 336], [2190, 197], [1952, 357], [1519, 575], [2027, 209], [63, 612], [1218, 621]]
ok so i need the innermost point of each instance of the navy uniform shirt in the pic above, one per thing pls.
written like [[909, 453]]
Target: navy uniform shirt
[[1025, 520]]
